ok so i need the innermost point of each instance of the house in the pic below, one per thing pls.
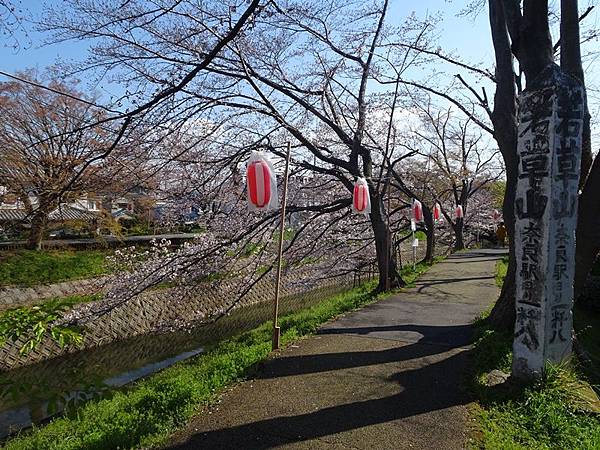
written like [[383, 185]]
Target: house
[[122, 209], [13, 213]]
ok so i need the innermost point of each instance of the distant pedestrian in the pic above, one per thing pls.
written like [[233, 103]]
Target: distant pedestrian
[[501, 234]]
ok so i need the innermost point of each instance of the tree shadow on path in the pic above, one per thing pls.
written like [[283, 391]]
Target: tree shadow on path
[[426, 386], [424, 284]]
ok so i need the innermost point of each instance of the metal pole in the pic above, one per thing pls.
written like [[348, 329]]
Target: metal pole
[[414, 252], [276, 330]]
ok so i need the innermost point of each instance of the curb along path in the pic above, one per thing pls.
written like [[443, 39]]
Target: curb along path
[[389, 376]]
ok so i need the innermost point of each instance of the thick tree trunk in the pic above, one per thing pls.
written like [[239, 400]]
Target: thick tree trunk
[[504, 118], [430, 233], [459, 240], [534, 49], [502, 316], [588, 236], [588, 227], [38, 228], [389, 278]]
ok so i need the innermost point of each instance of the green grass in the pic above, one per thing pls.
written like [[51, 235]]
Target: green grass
[[501, 268], [28, 267], [31, 324], [550, 413], [153, 408]]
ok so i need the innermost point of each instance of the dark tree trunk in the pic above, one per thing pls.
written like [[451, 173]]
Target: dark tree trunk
[[459, 240], [389, 278], [588, 227], [502, 316], [535, 50], [504, 118], [430, 233], [588, 222]]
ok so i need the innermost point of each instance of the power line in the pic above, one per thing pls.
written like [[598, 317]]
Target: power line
[[56, 91]]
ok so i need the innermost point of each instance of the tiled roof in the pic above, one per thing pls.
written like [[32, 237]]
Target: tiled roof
[[12, 215], [69, 213], [63, 213], [123, 214]]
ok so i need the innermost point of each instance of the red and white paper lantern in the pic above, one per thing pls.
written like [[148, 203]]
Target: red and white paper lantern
[[437, 212], [361, 201], [458, 212], [417, 211], [495, 215], [261, 181]]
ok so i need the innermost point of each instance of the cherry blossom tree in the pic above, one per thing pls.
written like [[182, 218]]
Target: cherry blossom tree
[[46, 138], [456, 163]]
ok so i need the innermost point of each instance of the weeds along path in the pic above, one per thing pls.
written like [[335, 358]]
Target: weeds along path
[[391, 375]]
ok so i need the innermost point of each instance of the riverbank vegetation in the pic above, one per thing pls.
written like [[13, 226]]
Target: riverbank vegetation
[[147, 412], [561, 410], [30, 268]]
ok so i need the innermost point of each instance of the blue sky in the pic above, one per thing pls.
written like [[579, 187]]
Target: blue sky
[[472, 37], [469, 38]]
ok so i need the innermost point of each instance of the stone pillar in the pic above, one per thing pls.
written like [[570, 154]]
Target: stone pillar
[[549, 150]]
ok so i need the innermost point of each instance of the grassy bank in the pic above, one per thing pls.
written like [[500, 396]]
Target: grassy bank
[[501, 268], [28, 267], [31, 324], [552, 413], [146, 413]]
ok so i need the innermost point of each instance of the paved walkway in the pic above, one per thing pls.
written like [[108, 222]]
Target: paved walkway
[[389, 376]]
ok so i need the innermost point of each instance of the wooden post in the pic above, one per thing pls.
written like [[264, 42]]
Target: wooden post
[[413, 227], [388, 281], [276, 330]]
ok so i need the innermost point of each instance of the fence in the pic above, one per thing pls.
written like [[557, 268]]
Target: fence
[[173, 308], [177, 307]]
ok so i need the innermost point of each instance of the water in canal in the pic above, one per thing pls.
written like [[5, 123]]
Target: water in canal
[[46, 387]]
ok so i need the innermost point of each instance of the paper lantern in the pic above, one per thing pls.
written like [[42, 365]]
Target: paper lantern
[[261, 181], [495, 215], [458, 212], [361, 201], [417, 211], [437, 212]]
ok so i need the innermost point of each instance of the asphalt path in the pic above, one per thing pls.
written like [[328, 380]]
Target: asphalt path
[[389, 376]]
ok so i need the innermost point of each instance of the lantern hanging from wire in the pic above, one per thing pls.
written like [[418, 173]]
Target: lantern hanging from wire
[[261, 182], [458, 212], [417, 211], [437, 213], [361, 201]]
